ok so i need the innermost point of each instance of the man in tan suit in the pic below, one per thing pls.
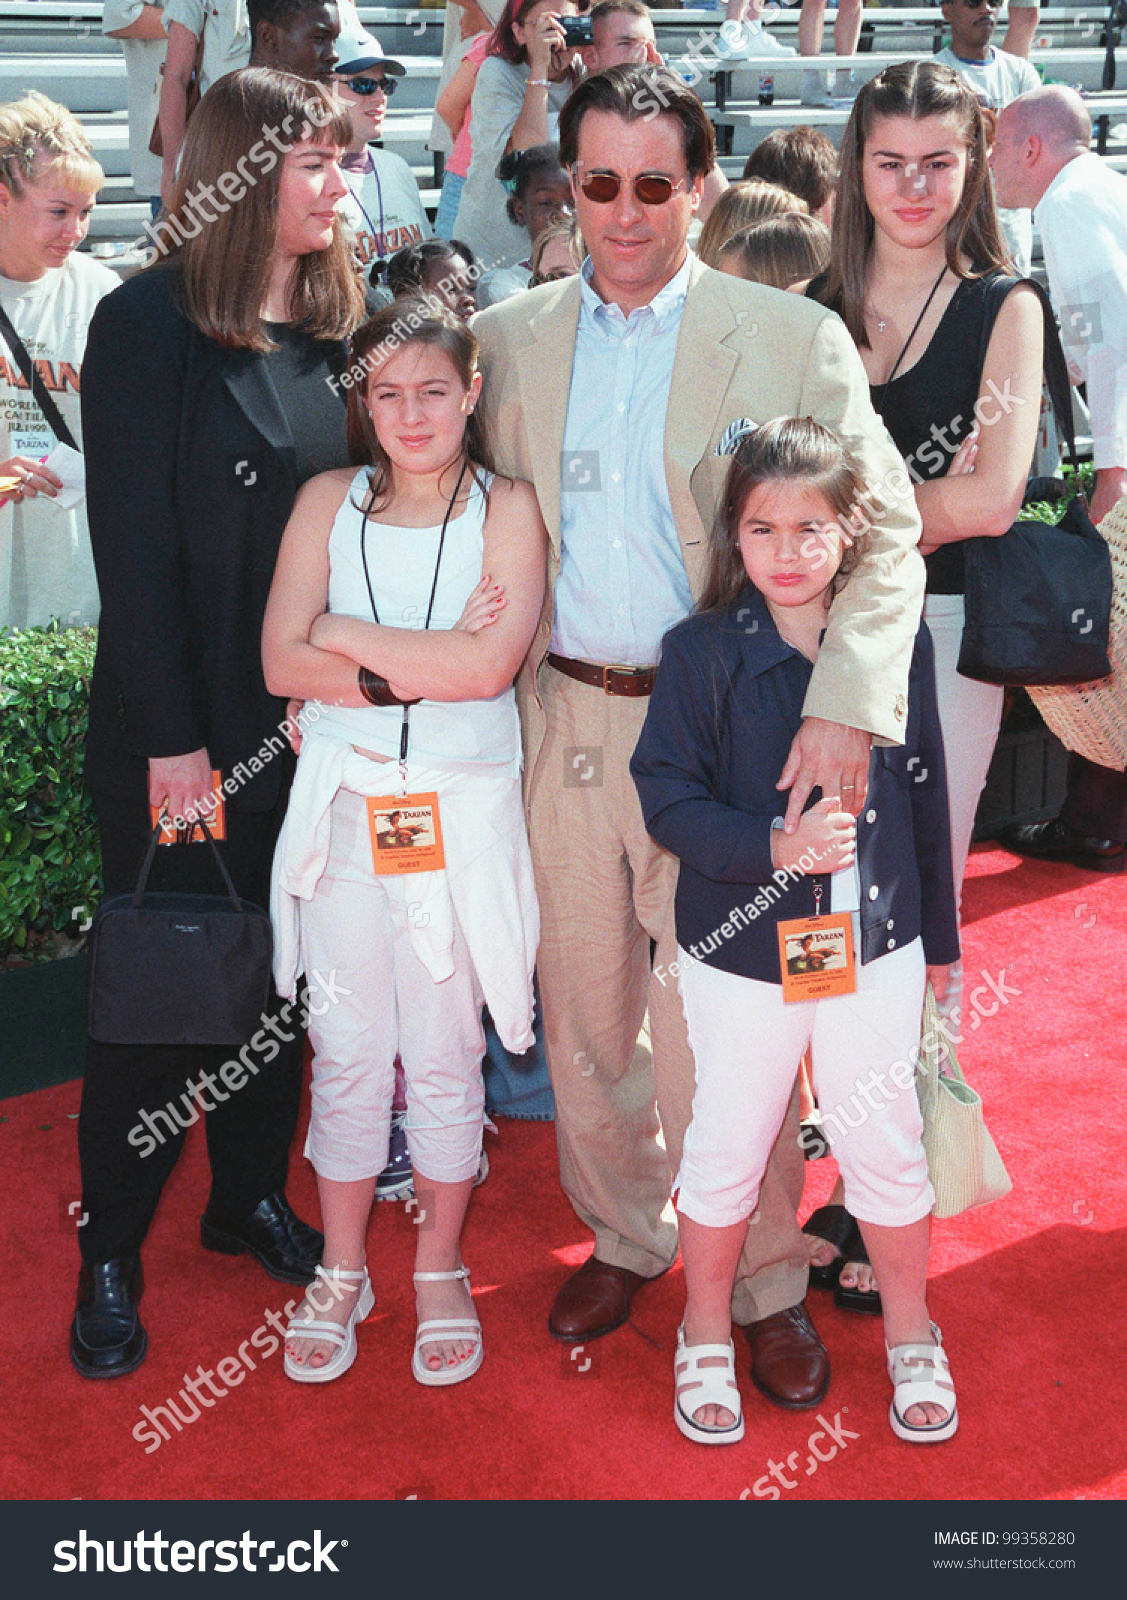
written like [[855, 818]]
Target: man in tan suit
[[611, 393]]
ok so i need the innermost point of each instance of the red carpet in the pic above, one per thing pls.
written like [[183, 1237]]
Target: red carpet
[[1030, 1293]]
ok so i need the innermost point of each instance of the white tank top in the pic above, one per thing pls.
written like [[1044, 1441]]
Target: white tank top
[[401, 565]]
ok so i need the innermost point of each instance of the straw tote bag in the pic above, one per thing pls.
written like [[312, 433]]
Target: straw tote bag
[[962, 1159]]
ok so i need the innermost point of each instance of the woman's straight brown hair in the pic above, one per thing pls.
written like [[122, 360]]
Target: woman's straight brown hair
[[414, 319], [232, 145], [915, 89]]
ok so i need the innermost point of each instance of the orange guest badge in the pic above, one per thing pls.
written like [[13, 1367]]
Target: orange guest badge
[[816, 957], [406, 833]]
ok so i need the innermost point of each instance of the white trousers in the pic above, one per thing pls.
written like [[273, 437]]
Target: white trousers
[[360, 924], [970, 714], [748, 1042]]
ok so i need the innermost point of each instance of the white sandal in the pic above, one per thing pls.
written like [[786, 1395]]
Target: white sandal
[[344, 1337], [921, 1375], [710, 1386], [450, 1328]]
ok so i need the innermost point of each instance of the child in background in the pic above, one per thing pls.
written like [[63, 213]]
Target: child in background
[[785, 251], [726, 704], [741, 205], [454, 107], [539, 193]]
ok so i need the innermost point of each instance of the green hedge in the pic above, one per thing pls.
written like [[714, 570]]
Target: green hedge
[[49, 860]]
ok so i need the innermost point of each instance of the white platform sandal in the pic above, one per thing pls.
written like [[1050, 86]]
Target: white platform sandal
[[444, 1329], [921, 1375], [344, 1337], [706, 1386]]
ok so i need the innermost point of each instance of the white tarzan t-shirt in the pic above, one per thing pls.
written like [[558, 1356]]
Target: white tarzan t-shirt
[[383, 209], [46, 567]]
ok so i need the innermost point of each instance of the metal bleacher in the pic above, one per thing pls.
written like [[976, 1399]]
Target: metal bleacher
[[57, 46]]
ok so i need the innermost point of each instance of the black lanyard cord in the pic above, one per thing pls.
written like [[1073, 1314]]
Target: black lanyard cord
[[405, 732]]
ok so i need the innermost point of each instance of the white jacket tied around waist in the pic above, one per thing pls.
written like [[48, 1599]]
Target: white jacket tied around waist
[[487, 881]]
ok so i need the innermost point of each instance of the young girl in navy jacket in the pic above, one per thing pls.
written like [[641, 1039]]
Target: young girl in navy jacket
[[726, 704]]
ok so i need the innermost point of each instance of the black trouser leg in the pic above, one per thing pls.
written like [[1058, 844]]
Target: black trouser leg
[[1096, 804], [136, 1099]]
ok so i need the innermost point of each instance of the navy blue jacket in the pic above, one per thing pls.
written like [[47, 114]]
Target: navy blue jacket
[[725, 707]]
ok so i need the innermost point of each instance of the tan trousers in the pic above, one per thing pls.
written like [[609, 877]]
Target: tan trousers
[[618, 1053]]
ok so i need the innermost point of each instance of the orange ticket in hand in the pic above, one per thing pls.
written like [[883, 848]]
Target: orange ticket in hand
[[816, 957], [406, 834], [216, 822]]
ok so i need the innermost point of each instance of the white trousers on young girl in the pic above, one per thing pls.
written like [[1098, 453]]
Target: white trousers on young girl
[[360, 924], [748, 1042], [970, 714]]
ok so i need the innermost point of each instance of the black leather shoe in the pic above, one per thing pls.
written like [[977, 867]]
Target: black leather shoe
[[106, 1336], [288, 1248], [1052, 841]]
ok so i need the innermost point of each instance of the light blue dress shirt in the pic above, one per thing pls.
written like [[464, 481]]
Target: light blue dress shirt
[[622, 582]]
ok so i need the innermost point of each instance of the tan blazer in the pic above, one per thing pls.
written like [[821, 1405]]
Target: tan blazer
[[743, 351]]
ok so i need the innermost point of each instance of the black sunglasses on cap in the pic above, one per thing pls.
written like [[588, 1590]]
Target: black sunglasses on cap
[[387, 86]]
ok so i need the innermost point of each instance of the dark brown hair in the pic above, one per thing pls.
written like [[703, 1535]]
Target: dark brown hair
[[417, 319], [792, 247], [800, 159], [787, 450], [915, 89], [637, 94], [502, 41], [226, 262]]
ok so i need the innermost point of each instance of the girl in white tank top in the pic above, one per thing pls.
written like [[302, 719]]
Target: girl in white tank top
[[405, 598]]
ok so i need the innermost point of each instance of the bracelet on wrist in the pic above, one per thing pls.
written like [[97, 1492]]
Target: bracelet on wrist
[[378, 692], [538, 83]]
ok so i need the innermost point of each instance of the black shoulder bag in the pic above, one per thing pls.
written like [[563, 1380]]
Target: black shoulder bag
[[1038, 599], [178, 968]]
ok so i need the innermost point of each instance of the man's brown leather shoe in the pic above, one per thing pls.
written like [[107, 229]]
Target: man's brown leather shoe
[[789, 1363], [595, 1300]]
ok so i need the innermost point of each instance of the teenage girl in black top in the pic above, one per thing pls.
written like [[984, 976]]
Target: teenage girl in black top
[[953, 345]]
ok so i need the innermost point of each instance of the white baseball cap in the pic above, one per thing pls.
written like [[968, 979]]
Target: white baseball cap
[[357, 50]]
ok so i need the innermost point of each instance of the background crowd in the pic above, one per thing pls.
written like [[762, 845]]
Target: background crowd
[[406, 399]]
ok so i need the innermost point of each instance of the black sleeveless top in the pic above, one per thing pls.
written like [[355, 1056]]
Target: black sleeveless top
[[929, 409]]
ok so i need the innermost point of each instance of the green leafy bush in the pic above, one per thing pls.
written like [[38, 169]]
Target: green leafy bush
[[1049, 510], [49, 859]]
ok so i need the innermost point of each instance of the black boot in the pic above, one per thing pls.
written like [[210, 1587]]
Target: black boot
[[106, 1336]]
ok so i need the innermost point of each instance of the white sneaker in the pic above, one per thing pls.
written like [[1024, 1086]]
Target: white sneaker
[[758, 42], [844, 89]]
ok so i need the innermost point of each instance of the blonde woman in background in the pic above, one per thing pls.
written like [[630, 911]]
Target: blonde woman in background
[[784, 251], [49, 182], [558, 252], [737, 208]]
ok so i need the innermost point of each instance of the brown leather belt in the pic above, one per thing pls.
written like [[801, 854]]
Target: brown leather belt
[[631, 681]]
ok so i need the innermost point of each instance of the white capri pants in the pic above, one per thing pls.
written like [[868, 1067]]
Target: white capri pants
[[747, 1043], [359, 924], [970, 714]]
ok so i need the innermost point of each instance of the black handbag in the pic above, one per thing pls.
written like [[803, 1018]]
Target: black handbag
[[178, 968], [1038, 600]]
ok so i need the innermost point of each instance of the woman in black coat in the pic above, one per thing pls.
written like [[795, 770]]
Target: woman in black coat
[[210, 395]]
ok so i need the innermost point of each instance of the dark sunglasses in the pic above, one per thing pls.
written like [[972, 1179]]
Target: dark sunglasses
[[388, 86], [652, 189], [973, 5]]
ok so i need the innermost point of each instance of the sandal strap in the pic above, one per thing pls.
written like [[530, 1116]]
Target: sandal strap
[[442, 1277], [332, 1331], [706, 1386], [341, 1274], [921, 1374], [446, 1323]]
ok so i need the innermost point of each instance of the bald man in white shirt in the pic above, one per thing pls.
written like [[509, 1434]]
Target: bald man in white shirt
[[1043, 159]]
